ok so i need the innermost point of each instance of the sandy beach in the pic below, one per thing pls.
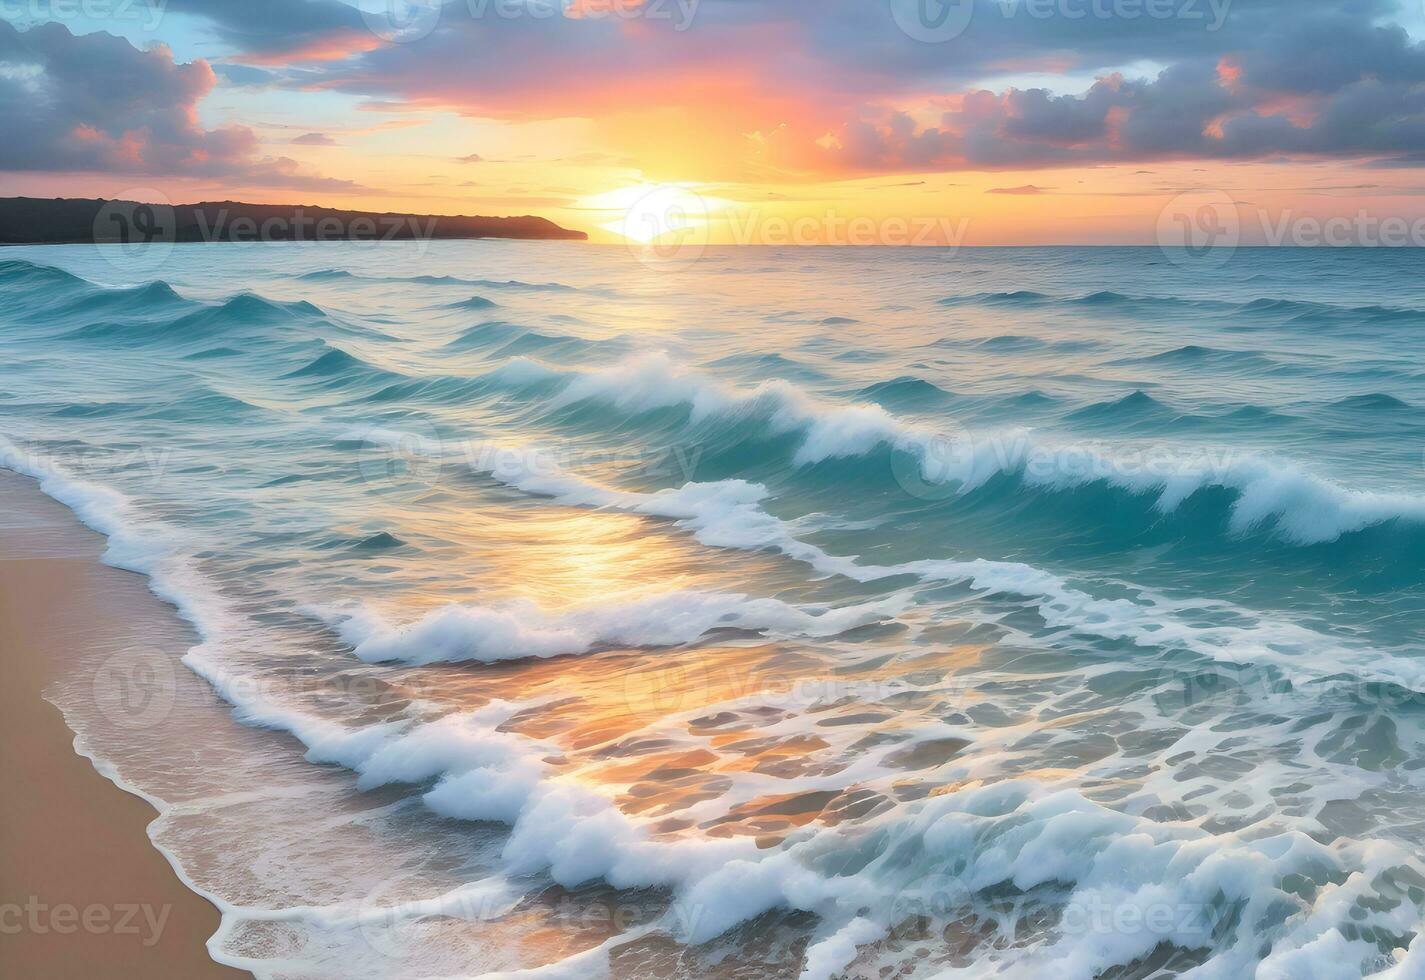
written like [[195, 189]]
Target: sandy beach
[[83, 892]]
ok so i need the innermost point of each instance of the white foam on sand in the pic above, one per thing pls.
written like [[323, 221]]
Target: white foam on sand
[[1226, 892]]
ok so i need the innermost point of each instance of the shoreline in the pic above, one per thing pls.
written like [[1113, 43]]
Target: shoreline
[[84, 891]]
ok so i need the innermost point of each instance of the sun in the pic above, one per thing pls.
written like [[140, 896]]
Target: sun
[[651, 214]]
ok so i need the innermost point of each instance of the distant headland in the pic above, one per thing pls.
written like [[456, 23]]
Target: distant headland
[[58, 221]]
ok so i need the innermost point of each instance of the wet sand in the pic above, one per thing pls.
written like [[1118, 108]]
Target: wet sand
[[83, 891]]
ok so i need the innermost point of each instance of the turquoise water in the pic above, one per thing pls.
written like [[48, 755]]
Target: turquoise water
[[786, 612]]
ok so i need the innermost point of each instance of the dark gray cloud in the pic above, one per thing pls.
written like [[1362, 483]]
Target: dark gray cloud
[[1290, 94], [270, 27], [97, 103]]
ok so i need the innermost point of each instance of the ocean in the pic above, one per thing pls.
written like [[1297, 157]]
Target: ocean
[[778, 613]]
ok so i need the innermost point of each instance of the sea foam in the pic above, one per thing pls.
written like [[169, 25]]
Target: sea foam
[[1268, 493], [521, 630]]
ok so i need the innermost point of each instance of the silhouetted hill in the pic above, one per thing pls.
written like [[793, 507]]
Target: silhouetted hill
[[37, 221]]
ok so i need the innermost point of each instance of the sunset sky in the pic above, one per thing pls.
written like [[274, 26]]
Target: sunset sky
[[1009, 121]]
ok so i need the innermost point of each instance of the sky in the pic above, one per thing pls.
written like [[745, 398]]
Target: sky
[[983, 122]]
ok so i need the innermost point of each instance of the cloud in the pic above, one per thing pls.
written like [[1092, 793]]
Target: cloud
[[1252, 104], [1025, 189], [1295, 77], [97, 103], [245, 76], [315, 139], [284, 31], [472, 158], [762, 88]]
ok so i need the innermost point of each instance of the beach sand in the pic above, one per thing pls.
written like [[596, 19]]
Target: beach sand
[[83, 892]]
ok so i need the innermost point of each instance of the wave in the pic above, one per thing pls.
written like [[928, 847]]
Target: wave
[[1011, 344], [328, 275], [1268, 495], [1289, 310], [144, 300], [1374, 402], [241, 313], [373, 543], [61, 294], [134, 542], [342, 275], [338, 371], [213, 353], [502, 338], [1102, 299], [532, 342], [1135, 407], [521, 630], [535, 287], [1030, 399], [81, 410], [729, 514], [205, 403], [23, 277], [474, 303], [766, 361], [1268, 904], [488, 334], [334, 362], [651, 382], [906, 391], [1018, 297], [1194, 355], [252, 308], [1307, 312]]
